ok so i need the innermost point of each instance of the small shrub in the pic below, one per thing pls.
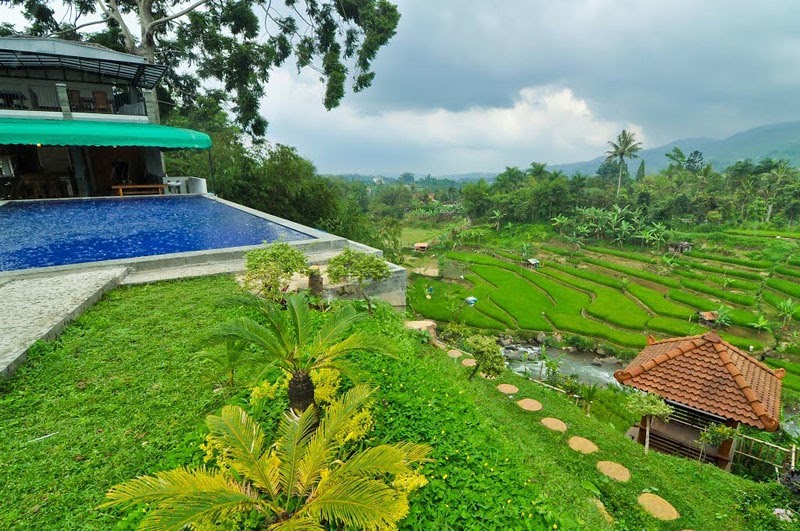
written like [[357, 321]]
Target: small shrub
[[268, 270], [488, 355]]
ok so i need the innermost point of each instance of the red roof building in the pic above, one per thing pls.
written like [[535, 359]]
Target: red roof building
[[705, 379]]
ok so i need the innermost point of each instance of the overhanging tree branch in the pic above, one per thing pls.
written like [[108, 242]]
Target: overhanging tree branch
[[76, 28], [166, 19]]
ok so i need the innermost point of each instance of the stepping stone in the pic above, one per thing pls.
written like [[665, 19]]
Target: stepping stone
[[584, 446], [469, 362], [529, 404], [657, 506], [614, 470], [554, 424], [508, 389], [453, 353]]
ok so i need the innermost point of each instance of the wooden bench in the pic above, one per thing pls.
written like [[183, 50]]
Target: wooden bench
[[139, 189]]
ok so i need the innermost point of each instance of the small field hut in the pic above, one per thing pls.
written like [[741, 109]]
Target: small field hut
[[705, 380]]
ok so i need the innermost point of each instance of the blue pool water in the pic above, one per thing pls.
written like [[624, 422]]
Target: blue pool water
[[50, 233]]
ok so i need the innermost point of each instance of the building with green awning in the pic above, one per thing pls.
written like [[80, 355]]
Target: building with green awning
[[79, 119]]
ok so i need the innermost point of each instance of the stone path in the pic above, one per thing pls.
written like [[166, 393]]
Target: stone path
[[655, 505], [40, 307]]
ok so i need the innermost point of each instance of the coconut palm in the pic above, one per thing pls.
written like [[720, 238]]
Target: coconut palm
[[302, 480], [626, 147], [289, 340]]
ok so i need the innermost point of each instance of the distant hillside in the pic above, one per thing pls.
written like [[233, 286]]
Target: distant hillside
[[776, 140]]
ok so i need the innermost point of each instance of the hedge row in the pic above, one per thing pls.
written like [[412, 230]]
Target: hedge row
[[586, 327], [736, 298], [633, 272], [609, 304], [622, 254], [755, 264], [748, 275], [785, 286], [658, 302]]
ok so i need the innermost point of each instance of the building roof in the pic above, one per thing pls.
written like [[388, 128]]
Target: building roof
[[708, 374], [36, 53]]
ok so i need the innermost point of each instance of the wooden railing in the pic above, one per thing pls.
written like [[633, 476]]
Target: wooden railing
[[750, 449]]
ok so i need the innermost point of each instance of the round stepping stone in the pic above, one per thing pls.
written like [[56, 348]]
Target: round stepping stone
[[614, 470], [584, 446], [554, 424], [453, 353], [508, 389], [603, 511], [658, 507], [529, 404], [469, 362]]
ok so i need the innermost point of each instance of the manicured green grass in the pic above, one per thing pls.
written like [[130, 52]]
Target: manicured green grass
[[115, 394], [121, 390], [411, 235]]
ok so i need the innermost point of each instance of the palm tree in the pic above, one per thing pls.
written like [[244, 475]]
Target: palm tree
[[626, 147], [290, 341], [302, 480], [773, 182]]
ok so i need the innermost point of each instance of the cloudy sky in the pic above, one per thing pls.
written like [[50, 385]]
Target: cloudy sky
[[469, 85]]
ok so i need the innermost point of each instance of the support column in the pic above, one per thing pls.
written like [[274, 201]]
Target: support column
[[63, 100]]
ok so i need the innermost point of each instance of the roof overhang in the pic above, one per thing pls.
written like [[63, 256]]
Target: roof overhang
[[19, 131], [32, 54]]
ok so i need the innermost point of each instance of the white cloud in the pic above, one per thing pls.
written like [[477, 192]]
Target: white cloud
[[544, 123]]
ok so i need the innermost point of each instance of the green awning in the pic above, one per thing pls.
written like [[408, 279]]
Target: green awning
[[97, 133]]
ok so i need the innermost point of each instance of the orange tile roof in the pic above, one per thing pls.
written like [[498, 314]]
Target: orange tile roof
[[706, 373]]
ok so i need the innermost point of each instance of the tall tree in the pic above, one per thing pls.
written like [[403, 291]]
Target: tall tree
[[237, 42], [626, 147]]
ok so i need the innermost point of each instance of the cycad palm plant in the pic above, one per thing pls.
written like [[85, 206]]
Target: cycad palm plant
[[289, 339], [300, 482]]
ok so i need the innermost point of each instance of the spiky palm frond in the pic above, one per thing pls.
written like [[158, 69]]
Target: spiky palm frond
[[182, 496], [294, 436], [273, 347], [297, 523], [357, 502], [299, 317], [322, 354], [245, 439], [321, 448], [384, 459]]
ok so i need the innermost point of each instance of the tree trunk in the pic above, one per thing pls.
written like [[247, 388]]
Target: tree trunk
[[769, 212], [647, 434], [301, 391], [619, 179]]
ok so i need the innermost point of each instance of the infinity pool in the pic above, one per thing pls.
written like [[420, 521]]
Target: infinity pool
[[73, 231]]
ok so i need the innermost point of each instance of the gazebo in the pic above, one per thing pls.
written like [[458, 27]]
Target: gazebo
[[705, 380]]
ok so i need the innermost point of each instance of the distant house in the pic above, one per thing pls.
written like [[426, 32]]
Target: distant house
[[421, 247], [707, 318], [705, 380], [531, 263], [679, 247]]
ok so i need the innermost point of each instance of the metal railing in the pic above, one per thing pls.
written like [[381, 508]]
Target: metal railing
[[102, 99]]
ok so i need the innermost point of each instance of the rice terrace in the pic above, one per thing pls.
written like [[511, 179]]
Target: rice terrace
[[398, 265]]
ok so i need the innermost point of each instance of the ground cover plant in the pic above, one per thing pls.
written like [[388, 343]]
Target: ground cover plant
[[123, 395]]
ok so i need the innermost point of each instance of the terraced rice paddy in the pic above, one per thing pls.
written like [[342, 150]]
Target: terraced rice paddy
[[613, 296]]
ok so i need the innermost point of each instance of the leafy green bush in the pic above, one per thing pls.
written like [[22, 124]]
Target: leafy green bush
[[269, 269], [736, 298], [579, 343]]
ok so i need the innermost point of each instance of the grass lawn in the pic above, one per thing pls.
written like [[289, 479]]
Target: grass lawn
[[411, 235], [120, 393]]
